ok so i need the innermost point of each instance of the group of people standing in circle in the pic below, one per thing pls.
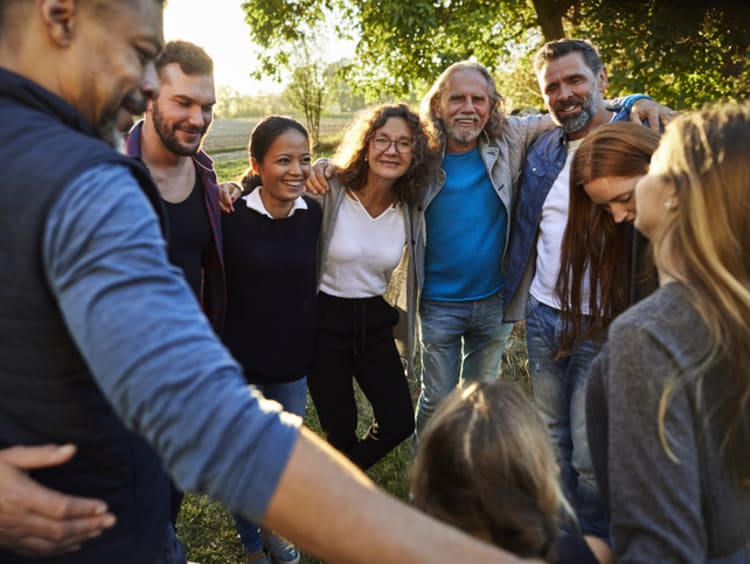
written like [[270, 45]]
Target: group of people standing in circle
[[633, 243], [622, 250]]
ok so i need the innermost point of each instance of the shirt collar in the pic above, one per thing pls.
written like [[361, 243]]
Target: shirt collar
[[254, 202]]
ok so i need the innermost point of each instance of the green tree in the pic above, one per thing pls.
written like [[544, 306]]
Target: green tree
[[340, 93], [685, 53], [229, 102], [306, 88]]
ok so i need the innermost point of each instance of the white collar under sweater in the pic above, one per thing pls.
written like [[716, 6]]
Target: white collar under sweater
[[254, 202]]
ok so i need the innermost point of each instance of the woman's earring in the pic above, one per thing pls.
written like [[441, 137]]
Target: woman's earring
[[670, 204]]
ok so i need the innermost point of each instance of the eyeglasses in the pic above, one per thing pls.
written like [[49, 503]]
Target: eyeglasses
[[383, 143]]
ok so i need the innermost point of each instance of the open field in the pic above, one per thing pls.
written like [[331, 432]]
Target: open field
[[227, 139]]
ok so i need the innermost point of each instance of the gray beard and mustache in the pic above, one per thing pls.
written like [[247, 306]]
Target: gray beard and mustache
[[590, 105], [461, 137], [113, 129], [109, 132]]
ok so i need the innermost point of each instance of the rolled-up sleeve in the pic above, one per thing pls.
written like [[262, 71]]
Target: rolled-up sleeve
[[151, 350]]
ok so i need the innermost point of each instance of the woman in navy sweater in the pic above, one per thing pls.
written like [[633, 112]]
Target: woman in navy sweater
[[269, 254]]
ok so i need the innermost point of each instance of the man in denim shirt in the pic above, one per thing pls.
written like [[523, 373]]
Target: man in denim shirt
[[573, 80], [460, 244]]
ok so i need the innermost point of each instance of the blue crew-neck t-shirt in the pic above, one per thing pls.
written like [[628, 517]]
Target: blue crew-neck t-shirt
[[466, 231]]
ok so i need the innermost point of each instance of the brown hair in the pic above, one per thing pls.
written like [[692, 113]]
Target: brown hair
[[485, 464], [262, 137], [592, 241], [193, 60], [350, 157], [553, 50]]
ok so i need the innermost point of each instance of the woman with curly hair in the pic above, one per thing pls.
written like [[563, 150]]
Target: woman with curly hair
[[382, 167]]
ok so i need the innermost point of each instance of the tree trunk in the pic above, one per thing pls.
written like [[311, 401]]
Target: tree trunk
[[549, 14]]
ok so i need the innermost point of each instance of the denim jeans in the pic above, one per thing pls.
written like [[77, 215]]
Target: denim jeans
[[293, 397], [559, 389], [172, 551], [461, 341]]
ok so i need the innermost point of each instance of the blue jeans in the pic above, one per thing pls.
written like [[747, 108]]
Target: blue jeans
[[460, 341], [293, 397], [172, 551], [559, 388]]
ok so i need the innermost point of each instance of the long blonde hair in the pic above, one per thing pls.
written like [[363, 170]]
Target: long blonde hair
[[706, 157]]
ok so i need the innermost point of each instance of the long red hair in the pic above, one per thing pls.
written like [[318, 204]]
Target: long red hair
[[593, 243]]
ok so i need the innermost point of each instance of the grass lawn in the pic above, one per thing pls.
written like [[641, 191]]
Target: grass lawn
[[207, 529]]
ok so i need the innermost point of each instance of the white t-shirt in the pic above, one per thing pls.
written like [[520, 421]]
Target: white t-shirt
[[363, 251], [549, 243]]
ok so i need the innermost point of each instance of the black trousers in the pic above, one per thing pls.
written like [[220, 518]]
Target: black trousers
[[354, 339]]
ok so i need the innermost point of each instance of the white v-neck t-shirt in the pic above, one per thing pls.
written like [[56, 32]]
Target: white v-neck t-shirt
[[363, 251]]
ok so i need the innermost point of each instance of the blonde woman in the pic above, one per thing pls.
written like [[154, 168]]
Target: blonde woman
[[669, 393]]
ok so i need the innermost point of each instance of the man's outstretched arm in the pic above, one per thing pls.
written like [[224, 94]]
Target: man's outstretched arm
[[158, 362], [329, 507]]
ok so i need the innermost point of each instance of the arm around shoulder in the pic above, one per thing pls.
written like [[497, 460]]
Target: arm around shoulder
[[322, 171]]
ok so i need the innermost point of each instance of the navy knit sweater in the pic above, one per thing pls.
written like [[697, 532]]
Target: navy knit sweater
[[270, 271]]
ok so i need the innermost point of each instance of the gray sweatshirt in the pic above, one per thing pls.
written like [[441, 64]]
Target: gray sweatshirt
[[689, 511]]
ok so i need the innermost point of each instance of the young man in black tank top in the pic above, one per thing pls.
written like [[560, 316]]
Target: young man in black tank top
[[168, 140]]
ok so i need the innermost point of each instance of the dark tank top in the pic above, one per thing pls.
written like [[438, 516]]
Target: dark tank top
[[189, 235]]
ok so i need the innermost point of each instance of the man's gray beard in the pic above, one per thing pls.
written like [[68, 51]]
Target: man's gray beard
[[450, 133], [571, 125], [591, 105], [118, 141]]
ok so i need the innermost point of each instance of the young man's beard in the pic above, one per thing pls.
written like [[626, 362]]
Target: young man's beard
[[168, 135]]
